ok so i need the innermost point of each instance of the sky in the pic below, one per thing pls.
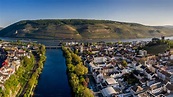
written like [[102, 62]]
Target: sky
[[147, 12]]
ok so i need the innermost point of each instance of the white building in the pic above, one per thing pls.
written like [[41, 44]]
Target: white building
[[108, 92], [142, 52]]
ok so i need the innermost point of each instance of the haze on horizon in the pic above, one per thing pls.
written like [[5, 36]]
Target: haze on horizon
[[147, 12]]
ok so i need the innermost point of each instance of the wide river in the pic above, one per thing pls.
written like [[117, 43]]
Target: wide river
[[53, 81]]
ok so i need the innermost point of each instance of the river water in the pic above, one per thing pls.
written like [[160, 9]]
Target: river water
[[53, 81], [56, 42]]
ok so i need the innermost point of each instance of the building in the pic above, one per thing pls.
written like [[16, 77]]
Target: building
[[108, 92]]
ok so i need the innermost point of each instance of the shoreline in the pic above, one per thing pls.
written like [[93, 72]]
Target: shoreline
[[49, 42], [35, 85]]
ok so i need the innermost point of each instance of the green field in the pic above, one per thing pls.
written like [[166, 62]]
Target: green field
[[156, 49]]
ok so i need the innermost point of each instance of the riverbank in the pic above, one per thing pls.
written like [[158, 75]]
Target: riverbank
[[37, 69], [23, 68], [56, 41], [77, 74]]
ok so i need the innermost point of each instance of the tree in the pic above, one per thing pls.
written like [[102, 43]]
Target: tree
[[81, 69], [18, 42], [68, 54], [68, 60], [87, 92], [76, 51], [74, 81], [124, 63], [26, 61], [42, 49], [83, 81], [70, 67], [75, 58], [79, 91], [76, 72]]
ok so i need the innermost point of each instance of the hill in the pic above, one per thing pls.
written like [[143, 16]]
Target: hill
[[81, 29], [169, 26], [1, 28]]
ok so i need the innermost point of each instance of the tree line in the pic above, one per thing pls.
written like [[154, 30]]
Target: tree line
[[32, 82], [77, 74]]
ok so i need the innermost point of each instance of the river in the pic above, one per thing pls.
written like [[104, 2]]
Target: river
[[53, 81], [56, 42]]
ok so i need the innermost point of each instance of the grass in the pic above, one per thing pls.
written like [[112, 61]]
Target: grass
[[156, 49]]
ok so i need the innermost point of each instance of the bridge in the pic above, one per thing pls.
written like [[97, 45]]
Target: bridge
[[53, 47]]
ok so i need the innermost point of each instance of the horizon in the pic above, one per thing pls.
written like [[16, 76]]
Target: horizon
[[145, 12]]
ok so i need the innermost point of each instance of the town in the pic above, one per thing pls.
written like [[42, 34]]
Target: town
[[11, 57], [19, 67], [127, 69]]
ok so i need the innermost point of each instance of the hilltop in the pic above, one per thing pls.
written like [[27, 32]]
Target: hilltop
[[82, 29]]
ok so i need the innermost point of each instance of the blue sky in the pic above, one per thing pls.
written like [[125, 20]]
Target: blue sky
[[148, 12]]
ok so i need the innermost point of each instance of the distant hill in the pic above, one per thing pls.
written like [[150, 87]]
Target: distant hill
[[1, 28], [82, 29], [169, 26]]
